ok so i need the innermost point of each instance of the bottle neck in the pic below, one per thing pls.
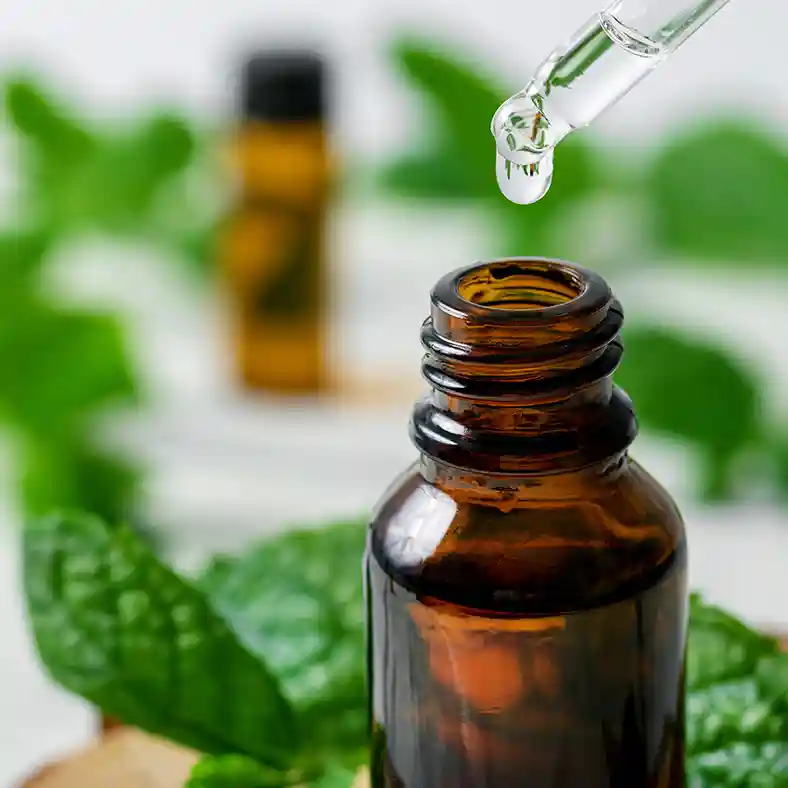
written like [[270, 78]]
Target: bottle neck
[[520, 357], [508, 490]]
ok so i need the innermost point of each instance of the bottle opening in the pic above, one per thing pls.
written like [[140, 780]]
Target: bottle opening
[[515, 285]]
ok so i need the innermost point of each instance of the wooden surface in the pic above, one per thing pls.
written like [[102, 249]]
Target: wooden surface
[[126, 758]]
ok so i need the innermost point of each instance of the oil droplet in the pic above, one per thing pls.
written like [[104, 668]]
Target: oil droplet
[[526, 184]]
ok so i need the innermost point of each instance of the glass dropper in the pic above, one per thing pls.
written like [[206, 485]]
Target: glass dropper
[[593, 70]]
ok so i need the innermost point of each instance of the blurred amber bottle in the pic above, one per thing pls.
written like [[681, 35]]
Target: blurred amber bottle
[[526, 579], [272, 252]]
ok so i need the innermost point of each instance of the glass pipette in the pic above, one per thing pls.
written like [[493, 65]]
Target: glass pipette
[[599, 65]]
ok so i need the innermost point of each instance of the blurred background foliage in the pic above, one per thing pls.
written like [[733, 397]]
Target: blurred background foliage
[[688, 202], [63, 367]]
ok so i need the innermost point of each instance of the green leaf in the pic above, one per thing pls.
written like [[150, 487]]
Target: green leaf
[[722, 647], [433, 176], [456, 161], [22, 255], [57, 367], [46, 125], [335, 776], [127, 176], [296, 600], [115, 625], [72, 474], [529, 230], [167, 143], [461, 103], [697, 392], [737, 703], [719, 193], [741, 766], [235, 771], [78, 180]]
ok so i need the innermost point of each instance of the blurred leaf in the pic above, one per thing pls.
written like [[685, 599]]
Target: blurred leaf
[[696, 392], [22, 255], [198, 247], [461, 102], [116, 189], [456, 160], [115, 625], [529, 230], [50, 128], [57, 367], [719, 193], [432, 176], [167, 144], [58, 474], [81, 180], [296, 600]]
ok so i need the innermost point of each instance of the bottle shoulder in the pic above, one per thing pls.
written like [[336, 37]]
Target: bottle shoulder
[[542, 548]]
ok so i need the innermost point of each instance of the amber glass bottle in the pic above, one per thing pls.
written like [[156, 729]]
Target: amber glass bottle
[[526, 579], [272, 252]]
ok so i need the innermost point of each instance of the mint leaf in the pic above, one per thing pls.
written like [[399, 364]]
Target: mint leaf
[[115, 625], [530, 229], [722, 647], [334, 777], [461, 102], [296, 600], [74, 474], [685, 388], [700, 207], [57, 367], [77, 178], [457, 161], [236, 771], [122, 183], [737, 704], [21, 258], [168, 144], [45, 124]]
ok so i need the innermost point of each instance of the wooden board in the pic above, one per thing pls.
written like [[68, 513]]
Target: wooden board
[[126, 758]]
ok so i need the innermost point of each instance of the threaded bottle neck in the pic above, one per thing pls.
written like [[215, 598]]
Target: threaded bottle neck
[[519, 357]]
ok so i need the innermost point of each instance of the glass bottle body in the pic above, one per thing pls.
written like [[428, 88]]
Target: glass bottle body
[[527, 627]]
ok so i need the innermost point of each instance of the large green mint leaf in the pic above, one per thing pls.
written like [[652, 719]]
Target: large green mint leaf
[[296, 600], [737, 704], [116, 626], [695, 391]]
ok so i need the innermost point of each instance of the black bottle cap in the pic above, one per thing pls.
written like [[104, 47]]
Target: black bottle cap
[[283, 86]]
